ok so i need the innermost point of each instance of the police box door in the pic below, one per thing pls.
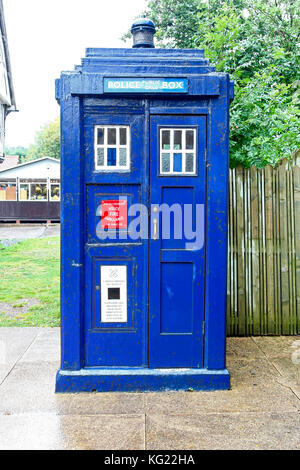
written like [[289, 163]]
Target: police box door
[[116, 260], [177, 252]]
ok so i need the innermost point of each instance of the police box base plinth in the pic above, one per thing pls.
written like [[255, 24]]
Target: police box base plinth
[[141, 380]]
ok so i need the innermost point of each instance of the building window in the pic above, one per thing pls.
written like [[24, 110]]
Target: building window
[[112, 148], [30, 190], [8, 191], [54, 190], [38, 192], [178, 152], [24, 192], [33, 190]]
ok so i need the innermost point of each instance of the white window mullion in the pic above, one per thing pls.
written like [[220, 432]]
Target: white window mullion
[[161, 150], [183, 150], [118, 147], [48, 189], [171, 150], [195, 150], [105, 133]]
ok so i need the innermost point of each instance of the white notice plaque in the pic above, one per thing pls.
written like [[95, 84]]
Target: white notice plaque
[[114, 294]]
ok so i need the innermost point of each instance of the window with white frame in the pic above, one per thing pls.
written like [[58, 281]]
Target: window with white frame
[[112, 148], [8, 190], [178, 151], [54, 193], [33, 190]]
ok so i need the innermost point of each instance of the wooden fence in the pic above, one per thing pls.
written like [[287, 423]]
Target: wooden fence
[[264, 250]]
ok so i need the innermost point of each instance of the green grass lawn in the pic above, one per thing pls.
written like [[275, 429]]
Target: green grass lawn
[[29, 289]]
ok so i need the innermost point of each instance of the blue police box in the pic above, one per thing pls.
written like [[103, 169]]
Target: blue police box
[[144, 153]]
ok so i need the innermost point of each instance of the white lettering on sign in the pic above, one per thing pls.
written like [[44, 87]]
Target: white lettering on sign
[[153, 85], [114, 294], [140, 85]]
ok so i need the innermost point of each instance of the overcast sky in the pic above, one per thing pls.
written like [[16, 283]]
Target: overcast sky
[[48, 36]]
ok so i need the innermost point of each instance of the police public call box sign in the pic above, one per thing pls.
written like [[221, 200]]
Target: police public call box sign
[[145, 85]]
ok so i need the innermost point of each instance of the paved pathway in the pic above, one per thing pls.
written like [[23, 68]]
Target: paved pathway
[[24, 231], [261, 411]]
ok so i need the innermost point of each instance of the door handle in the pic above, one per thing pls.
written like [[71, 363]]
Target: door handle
[[155, 229]]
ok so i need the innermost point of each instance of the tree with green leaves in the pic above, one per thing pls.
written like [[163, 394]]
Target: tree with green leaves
[[47, 142], [257, 43], [20, 151]]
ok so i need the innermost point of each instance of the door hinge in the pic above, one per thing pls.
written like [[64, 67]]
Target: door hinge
[[203, 327]]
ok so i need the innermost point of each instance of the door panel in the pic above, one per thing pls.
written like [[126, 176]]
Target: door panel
[[175, 197], [116, 265], [177, 261], [173, 303], [97, 197], [118, 340]]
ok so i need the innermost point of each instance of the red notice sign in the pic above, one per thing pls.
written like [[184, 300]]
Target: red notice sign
[[114, 214]]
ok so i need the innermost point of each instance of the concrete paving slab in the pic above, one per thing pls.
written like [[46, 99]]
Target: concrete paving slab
[[37, 395], [269, 398], [30, 388], [265, 394], [295, 389], [288, 369], [223, 431], [50, 432], [250, 372], [243, 348], [14, 343], [277, 346], [107, 403], [45, 347]]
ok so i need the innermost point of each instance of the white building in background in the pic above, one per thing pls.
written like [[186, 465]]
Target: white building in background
[[31, 191], [45, 167], [7, 97]]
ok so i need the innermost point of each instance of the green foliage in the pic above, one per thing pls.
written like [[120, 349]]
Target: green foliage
[[176, 22], [257, 43], [21, 151], [264, 122], [47, 143]]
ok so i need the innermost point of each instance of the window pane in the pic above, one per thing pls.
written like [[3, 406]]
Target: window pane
[[123, 157], [189, 162], [100, 138], [177, 164], [24, 192], [55, 192], [190, 139], [111, 136], [123, 136], [112, 150], [111, 157], [100, 157], [38, 192], [177, 140], [165, 162], [165, 136], [8, 192]]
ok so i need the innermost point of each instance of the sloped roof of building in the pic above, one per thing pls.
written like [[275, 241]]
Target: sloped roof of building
[[9, 162], [41, 168]]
